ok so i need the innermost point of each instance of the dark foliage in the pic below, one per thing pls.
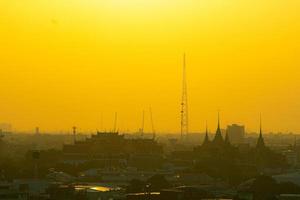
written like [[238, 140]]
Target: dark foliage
[[265, 187]]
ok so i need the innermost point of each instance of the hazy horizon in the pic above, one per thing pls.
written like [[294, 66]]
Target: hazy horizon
[[66, 63]]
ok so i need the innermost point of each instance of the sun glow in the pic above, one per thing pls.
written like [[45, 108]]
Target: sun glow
[[138, 6], [81, 58], [138, 3], [130, 4]]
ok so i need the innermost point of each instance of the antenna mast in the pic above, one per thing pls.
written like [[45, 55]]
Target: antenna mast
[[101, 122], [115, 123], [184, 103], [143, 122], [152, 124]]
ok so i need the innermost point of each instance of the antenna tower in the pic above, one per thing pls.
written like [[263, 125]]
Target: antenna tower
[[184, 104]]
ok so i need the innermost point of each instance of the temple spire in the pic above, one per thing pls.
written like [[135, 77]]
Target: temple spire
[[218, 119], [206, 139], [260, 127], [260, 142], [218, 137]]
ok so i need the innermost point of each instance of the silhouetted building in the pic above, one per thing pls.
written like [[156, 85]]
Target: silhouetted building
[[112, 149], [260, 145], [265, 158], [218, 145], [206, 141], [218, 139], [5, 127], [236, 133]]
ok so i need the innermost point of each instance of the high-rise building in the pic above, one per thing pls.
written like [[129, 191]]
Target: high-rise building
[[236, 133]]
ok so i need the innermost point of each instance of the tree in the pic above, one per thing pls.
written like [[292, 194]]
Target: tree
[[135, 185], [288, 188], [264, 187], [158, 182]]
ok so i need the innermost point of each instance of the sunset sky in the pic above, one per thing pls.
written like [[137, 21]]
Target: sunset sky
[[67, 62]]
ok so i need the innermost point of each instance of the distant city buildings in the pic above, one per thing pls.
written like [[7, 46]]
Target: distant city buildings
[[109, 165], [6, 127], [113, 149], [236, 134]]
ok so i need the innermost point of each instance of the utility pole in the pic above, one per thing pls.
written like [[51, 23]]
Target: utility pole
[[74, 133], [101, 122], [37, 130]]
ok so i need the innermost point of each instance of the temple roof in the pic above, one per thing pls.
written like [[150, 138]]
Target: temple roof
[[260, 141], [206, 139], [218, 137]]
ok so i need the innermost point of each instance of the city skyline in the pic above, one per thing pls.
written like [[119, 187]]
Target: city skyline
[[7, 127], [150, 99]]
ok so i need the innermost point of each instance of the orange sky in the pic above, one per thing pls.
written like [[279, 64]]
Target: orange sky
[[64, 62]]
